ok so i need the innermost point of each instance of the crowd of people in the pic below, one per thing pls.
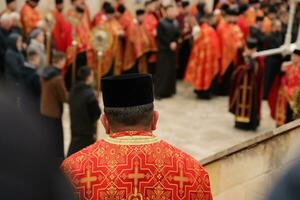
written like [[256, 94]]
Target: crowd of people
[[46, 62]]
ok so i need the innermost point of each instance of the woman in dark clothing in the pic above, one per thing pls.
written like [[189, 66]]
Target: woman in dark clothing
[[14, 63], [84, 110]]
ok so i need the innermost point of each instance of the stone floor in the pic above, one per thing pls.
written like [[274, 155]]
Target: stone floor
[[200, 127]]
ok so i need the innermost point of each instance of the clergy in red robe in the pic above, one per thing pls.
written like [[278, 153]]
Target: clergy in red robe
[[112, 59], [62, 30], [203, 65], [150, 23], [282, 98], [124, 17], [228, 31], [132, 162], [82, 52], [100, 17], [247, 89], [30, 17]]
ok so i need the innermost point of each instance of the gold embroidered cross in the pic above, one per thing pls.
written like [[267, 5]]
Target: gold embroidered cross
[[136, 176], [88, 179], [181, 179]]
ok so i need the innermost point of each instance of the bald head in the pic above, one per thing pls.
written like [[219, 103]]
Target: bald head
[[6, 21]]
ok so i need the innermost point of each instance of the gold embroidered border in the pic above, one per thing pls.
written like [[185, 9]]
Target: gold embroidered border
[[132, 140]]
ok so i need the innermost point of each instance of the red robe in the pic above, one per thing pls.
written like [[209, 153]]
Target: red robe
[[62, 32], [204, 60], [99, 19], [283, 93], [136, 165], [29, 18], [150, 23]]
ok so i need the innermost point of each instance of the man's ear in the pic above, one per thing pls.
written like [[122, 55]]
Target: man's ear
[[154, 120], [105, 123]]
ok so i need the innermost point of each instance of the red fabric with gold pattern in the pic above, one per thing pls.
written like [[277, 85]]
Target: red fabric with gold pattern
[[203, 65], [126, 20], [291, 82], [136, 165], [29, 18], [98, 19]]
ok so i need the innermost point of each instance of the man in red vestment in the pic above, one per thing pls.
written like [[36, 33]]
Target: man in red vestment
[[138, 45], [100, 17], [150, 23], [132, 163], [81, 53], [282, 98], [228, 31], [247, 89], [62, 30], [203, 65], [30, 17]]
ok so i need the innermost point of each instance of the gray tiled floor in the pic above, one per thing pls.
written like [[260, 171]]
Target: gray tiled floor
[[202, 128]]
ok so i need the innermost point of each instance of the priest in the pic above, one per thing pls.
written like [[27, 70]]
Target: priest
[[203, 66], [133, 163], [167, 38], [30, 17], [79, 50], [112, 59], [150, 23], [228, 31], [62, 30], [138, 46], [247, 89], [283, 96]]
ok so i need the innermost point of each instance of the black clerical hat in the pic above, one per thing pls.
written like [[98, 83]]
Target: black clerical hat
[[127, 90], [9, 1], [252, 43], [59, 2], [297, 52]]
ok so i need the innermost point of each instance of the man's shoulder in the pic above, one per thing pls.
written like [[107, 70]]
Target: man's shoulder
[[82, 155]]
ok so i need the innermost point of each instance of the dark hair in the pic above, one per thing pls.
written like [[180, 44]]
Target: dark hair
[[57, 57], [31, 54], [84, 73], [121, 9], [130, 116]]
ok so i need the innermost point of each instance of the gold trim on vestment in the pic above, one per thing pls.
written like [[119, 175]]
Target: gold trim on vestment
[[132, 140]]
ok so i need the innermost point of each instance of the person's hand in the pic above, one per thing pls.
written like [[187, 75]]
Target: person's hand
[[173, 46]]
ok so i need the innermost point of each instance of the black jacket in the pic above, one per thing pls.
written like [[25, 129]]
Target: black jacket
[[14, 60], [84, 110]]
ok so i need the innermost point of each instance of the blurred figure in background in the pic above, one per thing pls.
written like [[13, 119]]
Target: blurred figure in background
[[37, 43], [54, 94], [28, 168], [288, 187], [30, 17], [11, 6], [14, 63], [84, 112]]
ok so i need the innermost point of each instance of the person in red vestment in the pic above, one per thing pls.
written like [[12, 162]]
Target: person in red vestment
[[30, 17], [62, 30], [132, 163], [228, 31], [150, 23], [247, 89], [282, 98], [138, 45], [82, 52], [203, 65], [100, 17]]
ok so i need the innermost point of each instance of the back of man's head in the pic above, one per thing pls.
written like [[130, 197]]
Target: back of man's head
[[128, 102], [84, 73]]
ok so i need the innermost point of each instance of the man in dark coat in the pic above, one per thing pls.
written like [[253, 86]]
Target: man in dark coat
[[167, 36], [54, 94], [84, 111]]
